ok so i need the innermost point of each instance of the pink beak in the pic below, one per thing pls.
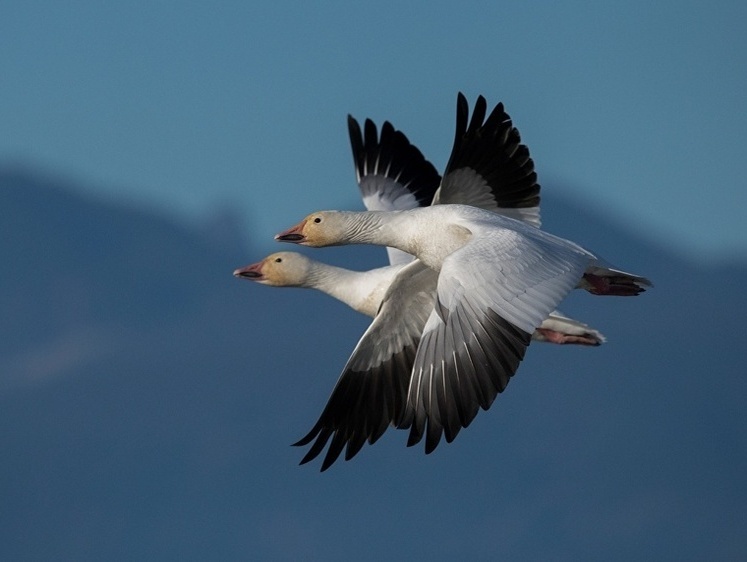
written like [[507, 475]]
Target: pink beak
[[253, 272], [293, 234]]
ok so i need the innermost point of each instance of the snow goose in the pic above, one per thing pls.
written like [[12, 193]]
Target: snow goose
[[497, 280], [367, 395], [393, 174], [364, 291]]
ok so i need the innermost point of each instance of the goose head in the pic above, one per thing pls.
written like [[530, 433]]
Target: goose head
[[323, 228], [281, 269]]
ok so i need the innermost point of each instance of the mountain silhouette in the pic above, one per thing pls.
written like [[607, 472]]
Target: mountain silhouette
[[148, 400]]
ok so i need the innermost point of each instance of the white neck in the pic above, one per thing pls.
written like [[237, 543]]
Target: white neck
[[419, 232], [395, 229], [360, 290]]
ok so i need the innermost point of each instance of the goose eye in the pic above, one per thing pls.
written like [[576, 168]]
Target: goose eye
[[278, 260], [317, 220]]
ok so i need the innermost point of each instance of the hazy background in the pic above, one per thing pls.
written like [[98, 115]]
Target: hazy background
[[147, 398], [638, 107]]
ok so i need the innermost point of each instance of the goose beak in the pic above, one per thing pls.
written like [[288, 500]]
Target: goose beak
[[294, 234], [253, 272]]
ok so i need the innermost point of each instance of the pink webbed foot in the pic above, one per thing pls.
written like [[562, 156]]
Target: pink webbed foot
[[552, 336]]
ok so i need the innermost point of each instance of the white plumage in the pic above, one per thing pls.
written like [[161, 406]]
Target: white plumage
[[451, 327], [497, 280]]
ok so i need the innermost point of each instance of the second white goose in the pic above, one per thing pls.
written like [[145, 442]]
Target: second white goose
[[498, 279]]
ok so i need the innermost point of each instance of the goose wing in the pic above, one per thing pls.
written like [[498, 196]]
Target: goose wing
[[489, 167], [370, 394], [491, 295], [392, 173]]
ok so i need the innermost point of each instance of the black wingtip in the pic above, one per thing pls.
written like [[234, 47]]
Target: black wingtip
[[492, 149], [414, 437], [354, 130], [462, 113], [430, 447], [478, 113], [306, 439], [308, 457], [310, 436], [389, 153]]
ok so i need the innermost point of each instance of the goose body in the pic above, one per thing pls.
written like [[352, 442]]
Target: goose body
[[392, 174], [497, 279], [488, 168], [364, 291]]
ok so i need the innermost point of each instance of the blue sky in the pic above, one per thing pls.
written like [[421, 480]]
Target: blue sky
[[636, 107]]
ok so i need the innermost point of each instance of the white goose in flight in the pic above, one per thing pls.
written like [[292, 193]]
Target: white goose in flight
[[393, 174], [454, 324]]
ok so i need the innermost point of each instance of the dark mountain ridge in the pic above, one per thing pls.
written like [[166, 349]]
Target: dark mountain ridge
[[147, 400]]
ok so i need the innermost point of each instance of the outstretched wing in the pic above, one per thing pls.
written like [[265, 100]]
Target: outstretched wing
[[392, 173], [492, 294], [370, 394], [489, 167]]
